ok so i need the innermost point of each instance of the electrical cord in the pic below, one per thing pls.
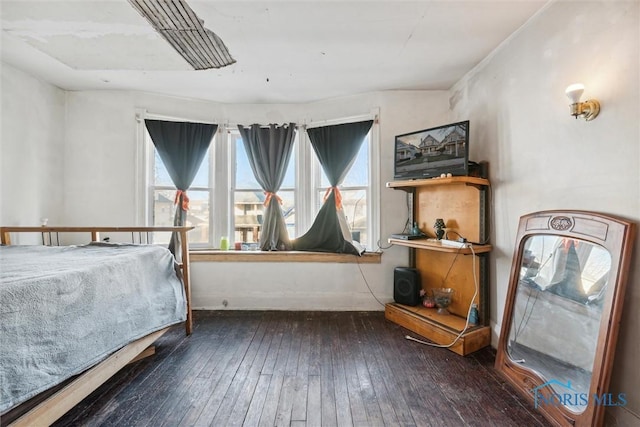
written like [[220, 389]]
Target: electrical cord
[[457, 234], [466, 326], [407, 224], [366, 282], [383, 247], [444, 279]]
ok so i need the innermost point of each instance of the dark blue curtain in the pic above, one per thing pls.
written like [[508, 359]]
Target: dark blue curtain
[[336, 147], [269, 150], [182, 147]]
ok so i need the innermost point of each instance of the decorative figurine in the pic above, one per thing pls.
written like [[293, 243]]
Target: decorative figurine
[[439, 228]]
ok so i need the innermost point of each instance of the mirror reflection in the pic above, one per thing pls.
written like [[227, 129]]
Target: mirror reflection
[[558, 305]]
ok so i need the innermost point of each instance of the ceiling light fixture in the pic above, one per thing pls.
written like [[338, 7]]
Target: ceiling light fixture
[[178, 24], [588, 110]]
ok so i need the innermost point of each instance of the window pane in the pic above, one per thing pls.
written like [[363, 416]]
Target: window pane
[[162, 178], [290, 176], [289, 212], [197, 216], [160, 174], [249, 211], [202, 177], [354, 204], [244, 174], [358, 175], [163, 211], [245, 178], [247, 206]]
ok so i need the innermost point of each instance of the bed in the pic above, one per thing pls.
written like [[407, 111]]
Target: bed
[[72, 316]]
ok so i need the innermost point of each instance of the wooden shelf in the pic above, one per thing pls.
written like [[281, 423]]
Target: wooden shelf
[[435, 245], [461, 201], [467, 180], [442, 329]]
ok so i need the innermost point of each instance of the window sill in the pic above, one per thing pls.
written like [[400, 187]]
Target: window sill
[[282, 256]]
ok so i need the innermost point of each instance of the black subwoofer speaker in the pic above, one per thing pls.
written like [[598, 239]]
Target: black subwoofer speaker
[[406, 286]]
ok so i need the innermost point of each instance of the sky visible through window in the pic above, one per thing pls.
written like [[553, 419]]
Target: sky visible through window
[[359, 173], [201, 179], [244, 175]]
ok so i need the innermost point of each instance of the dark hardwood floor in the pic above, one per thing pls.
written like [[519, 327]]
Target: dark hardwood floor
[[303, 369]]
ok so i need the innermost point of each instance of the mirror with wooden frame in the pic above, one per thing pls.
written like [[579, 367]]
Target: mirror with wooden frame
[[563, 310]]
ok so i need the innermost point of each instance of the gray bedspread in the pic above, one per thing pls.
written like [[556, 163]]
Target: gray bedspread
[[64, 309]]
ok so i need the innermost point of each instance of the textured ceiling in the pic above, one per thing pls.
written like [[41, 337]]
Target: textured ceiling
[[286, 51]]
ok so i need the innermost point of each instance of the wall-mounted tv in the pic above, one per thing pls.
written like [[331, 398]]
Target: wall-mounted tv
[[431, 152]]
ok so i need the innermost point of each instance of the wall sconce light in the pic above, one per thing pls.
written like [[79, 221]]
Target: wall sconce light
[[588, 110]]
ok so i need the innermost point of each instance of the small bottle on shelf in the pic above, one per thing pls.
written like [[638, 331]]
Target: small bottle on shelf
[[473, 314], [415, 230]]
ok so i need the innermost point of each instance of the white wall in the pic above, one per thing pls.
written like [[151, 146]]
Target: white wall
[[31, 149], [100, 159], [100, 152], [541, 158]]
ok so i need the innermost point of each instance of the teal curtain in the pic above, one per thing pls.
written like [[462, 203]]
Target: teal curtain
[[269, 150], [336, 148], [182, 147]]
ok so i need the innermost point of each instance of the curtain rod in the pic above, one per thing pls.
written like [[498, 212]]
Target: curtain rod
[[342, 120], [141, 116]]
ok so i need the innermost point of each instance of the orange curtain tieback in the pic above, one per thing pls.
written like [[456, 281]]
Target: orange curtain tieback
[[185, 199], [337, 194], [269, 195], [566, 244]]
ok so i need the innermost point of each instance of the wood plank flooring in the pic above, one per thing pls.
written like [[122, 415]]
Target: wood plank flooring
[[303, 369]]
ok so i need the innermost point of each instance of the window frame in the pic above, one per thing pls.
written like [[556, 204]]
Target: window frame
[[222, 178]]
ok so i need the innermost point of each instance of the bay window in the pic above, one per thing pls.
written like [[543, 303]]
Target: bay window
[[227, 201]]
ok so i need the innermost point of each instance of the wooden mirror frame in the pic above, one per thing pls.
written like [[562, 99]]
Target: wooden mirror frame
[[617, 236]]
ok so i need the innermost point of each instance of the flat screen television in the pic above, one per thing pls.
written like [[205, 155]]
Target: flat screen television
[[431, 152]]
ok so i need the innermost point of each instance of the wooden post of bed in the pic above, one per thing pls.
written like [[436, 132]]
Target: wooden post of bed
[[5, 237], [186, 277]]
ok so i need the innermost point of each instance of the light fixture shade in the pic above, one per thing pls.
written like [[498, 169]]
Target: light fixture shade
[[178, 24], [574, 92]]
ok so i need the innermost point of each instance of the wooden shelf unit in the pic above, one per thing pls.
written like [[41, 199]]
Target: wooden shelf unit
[[413, 183], [439, 328], [432, 245], [462, 203]]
